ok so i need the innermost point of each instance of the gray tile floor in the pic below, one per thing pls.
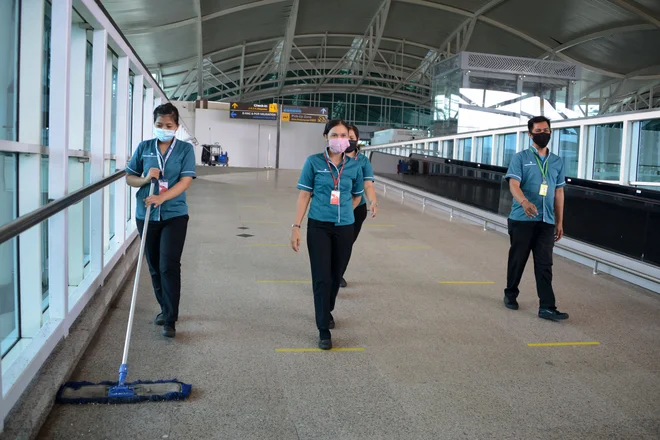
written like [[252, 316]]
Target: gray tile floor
[[440, 361]]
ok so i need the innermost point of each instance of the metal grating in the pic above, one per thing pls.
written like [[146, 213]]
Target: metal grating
[[519, 66]]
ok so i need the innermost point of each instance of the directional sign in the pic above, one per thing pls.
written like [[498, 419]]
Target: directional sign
[[241, 110], [305, 110], [286, 117], [319, 119], [304, 114]]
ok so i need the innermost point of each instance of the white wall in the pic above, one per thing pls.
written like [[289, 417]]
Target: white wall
[[246, 141]]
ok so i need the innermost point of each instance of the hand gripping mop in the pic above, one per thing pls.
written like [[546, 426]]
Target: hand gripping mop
[[121, 391]]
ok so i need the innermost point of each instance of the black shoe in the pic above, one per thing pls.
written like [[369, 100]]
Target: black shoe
[[552, 314], [331, 323], [159, 319], [169, 331], [510, 303], [325, 344], [343, 283]]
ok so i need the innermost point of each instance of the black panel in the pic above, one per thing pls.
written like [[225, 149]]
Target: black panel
[[613, 217]]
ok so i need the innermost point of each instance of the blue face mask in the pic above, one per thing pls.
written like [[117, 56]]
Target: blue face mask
[[164, 135]]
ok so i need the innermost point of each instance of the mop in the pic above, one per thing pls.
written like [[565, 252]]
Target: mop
[[122, 391]]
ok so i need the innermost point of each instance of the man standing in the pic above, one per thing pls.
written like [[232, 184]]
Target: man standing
[[536, 180]]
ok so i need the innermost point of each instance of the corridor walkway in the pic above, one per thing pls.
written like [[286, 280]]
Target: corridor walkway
[[434, 358]]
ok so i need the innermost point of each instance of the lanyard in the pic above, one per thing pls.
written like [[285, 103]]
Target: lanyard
[[163, 162], [335, 181], [544, 167]]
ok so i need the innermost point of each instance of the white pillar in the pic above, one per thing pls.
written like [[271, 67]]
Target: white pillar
[[147, 122], [138, 129], [58, 175], [121, 147], [30, 175], [76, 252], [99, 77]]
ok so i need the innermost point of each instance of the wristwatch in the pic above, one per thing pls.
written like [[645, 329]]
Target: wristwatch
[[295, 226]]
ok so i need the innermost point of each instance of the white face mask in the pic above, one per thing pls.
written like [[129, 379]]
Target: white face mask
[[164, 135]]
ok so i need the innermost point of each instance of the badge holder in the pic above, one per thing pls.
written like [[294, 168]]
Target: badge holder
[[334, 197], [163, 186], [544, 189]]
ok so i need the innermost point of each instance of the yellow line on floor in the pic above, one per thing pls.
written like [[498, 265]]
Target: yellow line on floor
[[410, 247], [466, 282], [313, 350], [284, 281], [268, 245], [562, 344]]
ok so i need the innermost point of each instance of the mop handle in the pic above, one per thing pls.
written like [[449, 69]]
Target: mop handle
[[131, 314]]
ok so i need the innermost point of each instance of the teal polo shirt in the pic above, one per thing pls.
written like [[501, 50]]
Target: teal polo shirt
[[180, 163], [525, 169], [367, 172], [316, 178]]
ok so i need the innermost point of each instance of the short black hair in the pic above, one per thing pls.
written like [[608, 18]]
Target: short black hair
[[332, 124], [537, 120], [355, 130], [167, 109]]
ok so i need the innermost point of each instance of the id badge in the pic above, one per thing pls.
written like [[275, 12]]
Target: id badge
[[162, 186], [334, 198], [544, 190]]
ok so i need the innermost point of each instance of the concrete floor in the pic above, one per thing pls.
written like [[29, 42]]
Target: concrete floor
[[440, 361]]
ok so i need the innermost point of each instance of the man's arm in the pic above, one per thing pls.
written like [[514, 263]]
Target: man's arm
[[559, 213]]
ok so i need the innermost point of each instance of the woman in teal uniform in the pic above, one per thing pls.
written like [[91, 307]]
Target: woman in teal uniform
[[172, 163], [360, 213], [334, 185]]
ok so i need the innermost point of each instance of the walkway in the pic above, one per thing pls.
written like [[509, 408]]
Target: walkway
[[439, 361]]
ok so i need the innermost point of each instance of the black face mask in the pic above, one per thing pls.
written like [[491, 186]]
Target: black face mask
[[352, 147], [541, 139]]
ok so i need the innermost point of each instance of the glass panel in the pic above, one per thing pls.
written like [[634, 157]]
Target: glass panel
[[508, 147], [648, 165], [113, 190], [130, 118], [467, 149], [87, 215], [113, 112], [486, 149], [450, 149], [45, 75], [607, 151], [44, 235], [9, 10], [88, 97], [569, 143], [9, 301]]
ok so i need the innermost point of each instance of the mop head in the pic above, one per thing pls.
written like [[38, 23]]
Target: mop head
[[133, 392]]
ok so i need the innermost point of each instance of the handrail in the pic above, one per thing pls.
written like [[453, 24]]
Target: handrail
[[598, 260], [25, 222]]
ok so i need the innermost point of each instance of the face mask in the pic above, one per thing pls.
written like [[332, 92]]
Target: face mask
[[541, 139], [164, 135], [338, 145], [353, 146]]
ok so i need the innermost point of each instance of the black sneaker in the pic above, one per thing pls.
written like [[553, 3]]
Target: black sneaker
[[169, 331], [325, 344], [552, 314], [159, 319], [343, 283], [331, 323], [510, 303]]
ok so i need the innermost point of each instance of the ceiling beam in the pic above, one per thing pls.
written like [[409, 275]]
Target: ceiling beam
[[285, 55], [638, 10], [200, 51], [378, 24]]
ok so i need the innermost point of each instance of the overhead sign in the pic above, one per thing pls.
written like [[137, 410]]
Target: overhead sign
[[292, 113], [239, 110]]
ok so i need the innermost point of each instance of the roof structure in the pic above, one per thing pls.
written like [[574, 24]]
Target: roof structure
[[261, 49]]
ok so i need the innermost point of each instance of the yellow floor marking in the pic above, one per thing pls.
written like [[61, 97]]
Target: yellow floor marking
[[466, 282], [284, 281], [410, 247], [562, 344], [268, 245], [313, 350]]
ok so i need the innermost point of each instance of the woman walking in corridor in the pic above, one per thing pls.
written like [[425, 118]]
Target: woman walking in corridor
[[360, 212], [172, 163], [334, 185]]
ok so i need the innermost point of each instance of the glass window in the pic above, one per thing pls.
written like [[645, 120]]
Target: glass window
[[607, 151], [45, 77], [88, 97], [9, 300], [449, 148], [87, 215], [467, 149], [113, 111], [44, 235], [648, 162], [9, 10], [113, 191], [486, 143], [568, 142], [129, 131], [508, 148]]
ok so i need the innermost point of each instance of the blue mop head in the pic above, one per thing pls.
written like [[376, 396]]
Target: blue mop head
[[133, 392]]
